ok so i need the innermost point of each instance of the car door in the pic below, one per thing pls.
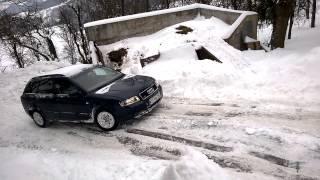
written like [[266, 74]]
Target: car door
[[71, 100], [45, 99]]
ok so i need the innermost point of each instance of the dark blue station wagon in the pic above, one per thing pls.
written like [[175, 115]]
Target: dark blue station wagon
[[89, 93]]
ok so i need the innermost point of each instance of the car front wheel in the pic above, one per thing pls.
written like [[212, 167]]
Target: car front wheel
[[106, 121], [39, 120]]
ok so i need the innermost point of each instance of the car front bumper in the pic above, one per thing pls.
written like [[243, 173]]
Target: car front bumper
[[141, 108]]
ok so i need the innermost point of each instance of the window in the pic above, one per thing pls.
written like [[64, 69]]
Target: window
[[63, 86], [32, 87], [45, 86]]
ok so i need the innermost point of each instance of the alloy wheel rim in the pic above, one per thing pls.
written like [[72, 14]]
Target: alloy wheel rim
[[106, 120], [38, 118]]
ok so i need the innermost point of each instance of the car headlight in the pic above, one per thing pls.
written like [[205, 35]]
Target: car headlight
[[130, 101]]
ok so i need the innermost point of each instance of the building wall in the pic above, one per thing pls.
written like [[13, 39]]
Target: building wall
[[113, 32]]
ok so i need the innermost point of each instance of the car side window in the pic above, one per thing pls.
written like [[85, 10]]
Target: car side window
[[64, 86], [32, 87], [46, 86]]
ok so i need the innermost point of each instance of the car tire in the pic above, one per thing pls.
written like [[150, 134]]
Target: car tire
[[106, 121], [39, 120]]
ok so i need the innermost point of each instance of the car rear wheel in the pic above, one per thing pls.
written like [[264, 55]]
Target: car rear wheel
[[106, 121], [39, 120]]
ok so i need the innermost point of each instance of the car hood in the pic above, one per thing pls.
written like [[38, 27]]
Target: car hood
[[126, 87]]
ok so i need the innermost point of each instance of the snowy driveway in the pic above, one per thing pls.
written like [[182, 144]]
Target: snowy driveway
[[251, 131]]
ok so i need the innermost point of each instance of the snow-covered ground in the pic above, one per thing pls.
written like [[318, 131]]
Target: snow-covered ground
[[263, 106]]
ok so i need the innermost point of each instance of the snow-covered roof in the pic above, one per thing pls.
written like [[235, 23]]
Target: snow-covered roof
[[165, 11], [70, 70]]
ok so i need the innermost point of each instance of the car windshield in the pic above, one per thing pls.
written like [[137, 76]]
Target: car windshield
[[96, 77]]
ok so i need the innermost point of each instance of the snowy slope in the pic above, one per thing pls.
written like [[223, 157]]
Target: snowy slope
[[78, 151], [289, 74]]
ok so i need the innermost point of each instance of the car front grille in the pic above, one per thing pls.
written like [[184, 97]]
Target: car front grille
[[148, 92]]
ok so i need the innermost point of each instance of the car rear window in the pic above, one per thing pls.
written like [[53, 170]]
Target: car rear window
[[31, 86], [40, 86]]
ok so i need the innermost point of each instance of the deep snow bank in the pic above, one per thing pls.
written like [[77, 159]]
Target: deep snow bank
[[178, 68], [287, 75], [193, 166], [290, 74]]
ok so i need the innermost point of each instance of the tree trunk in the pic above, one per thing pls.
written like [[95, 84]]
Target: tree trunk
[[147, 5], [78, 48], [17, 56], [100, 56], [314, 9], [83, 38], [291, 18], [51, 47], [168, 4], [290, 26], [122, 8], [308, 9], [281, 15]]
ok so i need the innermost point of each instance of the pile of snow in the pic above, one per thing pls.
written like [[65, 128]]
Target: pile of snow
[[178, 68], [192, 166], [283, 75], [289, 74]]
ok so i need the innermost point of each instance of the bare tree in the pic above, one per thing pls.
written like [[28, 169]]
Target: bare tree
[[27, 33], [69, 50], [73, 18]]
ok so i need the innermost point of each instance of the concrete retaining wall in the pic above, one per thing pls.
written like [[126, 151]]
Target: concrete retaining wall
[[247, 27], [226, 16], [113, 30]]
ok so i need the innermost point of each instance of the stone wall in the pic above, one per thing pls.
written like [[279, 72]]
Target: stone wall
[[107, 32]]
